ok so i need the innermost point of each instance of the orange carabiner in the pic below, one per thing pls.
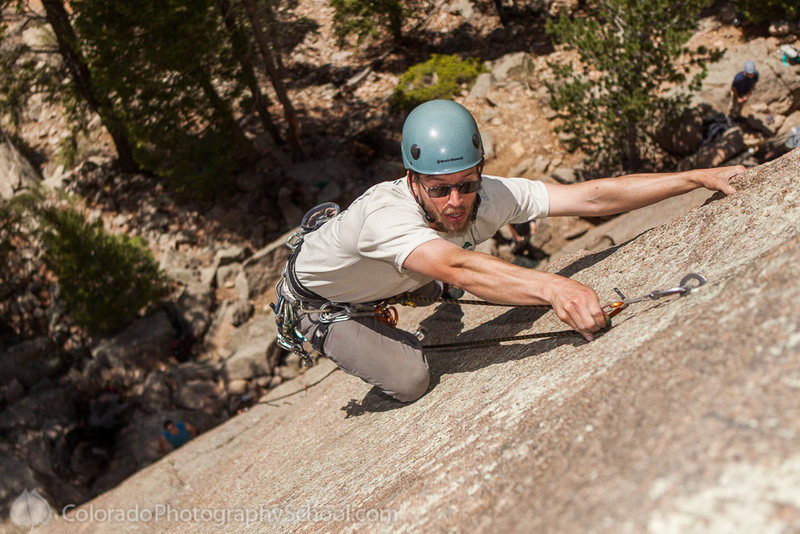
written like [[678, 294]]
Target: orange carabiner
[[386, 314]]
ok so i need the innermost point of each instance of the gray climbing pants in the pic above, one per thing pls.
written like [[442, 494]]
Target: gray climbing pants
[[384, 356]]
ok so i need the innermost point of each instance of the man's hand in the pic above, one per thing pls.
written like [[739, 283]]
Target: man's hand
[[719, 178], [577, 305]]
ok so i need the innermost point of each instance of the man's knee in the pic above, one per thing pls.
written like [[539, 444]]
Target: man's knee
[[411, 385]]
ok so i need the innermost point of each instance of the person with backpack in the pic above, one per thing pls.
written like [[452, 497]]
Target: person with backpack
[[741, 88]]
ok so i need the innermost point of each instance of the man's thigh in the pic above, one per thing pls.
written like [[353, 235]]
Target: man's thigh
[[379, 354]]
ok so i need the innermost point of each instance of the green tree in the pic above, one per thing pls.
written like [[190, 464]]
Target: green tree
[[765, 11], [632, 64], [370, 18], [174, 74], [441, 76], [245, 55], [105, 279], [25, 71], [274, 69]]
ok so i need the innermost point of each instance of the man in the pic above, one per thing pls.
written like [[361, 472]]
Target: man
[[743, 84], [403, 236], [177, 434]]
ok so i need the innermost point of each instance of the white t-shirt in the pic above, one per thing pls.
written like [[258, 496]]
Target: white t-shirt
[[359, 255]]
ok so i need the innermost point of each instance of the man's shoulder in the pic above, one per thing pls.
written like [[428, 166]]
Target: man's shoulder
[[391, 194]]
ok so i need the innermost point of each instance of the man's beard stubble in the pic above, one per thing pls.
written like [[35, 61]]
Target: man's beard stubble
[[440, 223]]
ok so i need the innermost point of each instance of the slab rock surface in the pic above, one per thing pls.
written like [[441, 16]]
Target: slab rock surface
[[683, 418]]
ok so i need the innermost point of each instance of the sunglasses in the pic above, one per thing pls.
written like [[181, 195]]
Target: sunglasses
[[464, 188]]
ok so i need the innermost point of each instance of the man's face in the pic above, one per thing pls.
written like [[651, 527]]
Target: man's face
[[172, 428], [452, 213]]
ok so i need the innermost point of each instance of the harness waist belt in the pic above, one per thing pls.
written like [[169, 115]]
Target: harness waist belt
[[298, 289]]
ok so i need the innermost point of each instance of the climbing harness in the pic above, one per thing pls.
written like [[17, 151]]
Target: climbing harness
[[612, 309]]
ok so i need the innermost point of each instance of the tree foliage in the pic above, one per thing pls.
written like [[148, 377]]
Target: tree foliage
[[105, 279], [369, 18], [174, 79], [441, 76], [632, 64], [765, 11], [23, 72]]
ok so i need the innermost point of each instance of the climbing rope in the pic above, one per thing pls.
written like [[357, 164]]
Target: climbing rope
[[611, 310]]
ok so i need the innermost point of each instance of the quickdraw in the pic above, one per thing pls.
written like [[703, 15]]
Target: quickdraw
[[612, 309]]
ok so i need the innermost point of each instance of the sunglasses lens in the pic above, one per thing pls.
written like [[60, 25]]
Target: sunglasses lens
[[439, 191], [465, 188], [469, 187]]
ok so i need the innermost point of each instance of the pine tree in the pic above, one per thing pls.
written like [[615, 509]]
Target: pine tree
[[629, 77], [23, 73], [172, 69], [368, 18]]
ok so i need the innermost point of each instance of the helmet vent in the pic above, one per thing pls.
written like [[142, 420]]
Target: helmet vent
[[476, 140], [415, 151]]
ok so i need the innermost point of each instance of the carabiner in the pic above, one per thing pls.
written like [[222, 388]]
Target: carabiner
[[682, 289]]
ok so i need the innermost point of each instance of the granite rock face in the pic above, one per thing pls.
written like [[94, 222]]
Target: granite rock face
[[682, 418]]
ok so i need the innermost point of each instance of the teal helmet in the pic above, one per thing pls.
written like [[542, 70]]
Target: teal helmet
[[441, 137]]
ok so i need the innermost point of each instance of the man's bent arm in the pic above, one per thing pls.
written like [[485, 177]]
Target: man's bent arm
[[609, 196], [502, 282]]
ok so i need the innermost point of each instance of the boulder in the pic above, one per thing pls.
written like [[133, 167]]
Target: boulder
[[263, 269], [481, 86], [143, 344], [30, 361], [684, 136], [13, 391], [32, 411], [238, 312], [260, 330], [153, 395], [247, 362], [231, 254], [238, 387], [564, 175], [720, 150], [226, 275], [16, 173], [193, 309], [194, 371], [517, 65], [198, 395]]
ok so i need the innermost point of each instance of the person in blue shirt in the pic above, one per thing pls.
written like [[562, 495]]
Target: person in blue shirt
[[176, 434], [741, 88]]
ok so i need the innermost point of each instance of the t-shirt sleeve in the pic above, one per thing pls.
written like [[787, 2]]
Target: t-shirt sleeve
[[391, 233], [527, 199]]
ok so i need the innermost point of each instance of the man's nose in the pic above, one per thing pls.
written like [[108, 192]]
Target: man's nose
[[455, 198]]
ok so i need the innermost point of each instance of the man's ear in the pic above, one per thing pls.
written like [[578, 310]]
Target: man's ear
[[410, 178]]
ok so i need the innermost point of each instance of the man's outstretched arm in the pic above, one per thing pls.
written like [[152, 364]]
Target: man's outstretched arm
[[502, 282], [609, 196]]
